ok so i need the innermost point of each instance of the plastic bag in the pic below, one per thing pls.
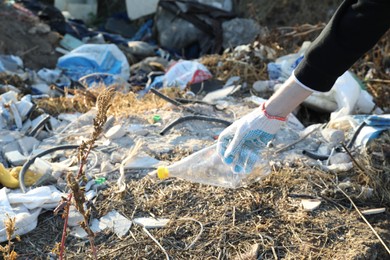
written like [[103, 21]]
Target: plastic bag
[[283, 66], [345, 98], [95, 63], [181, 74]]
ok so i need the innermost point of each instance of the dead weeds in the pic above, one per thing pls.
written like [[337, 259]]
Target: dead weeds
[[263, 214]]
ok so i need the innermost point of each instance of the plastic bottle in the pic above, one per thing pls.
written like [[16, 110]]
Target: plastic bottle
[[206, 167]]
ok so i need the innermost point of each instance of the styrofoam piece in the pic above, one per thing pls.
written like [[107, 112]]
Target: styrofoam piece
[[54, 123], [15, 158], [115, 132], [27, 144], [26, 125], [140, 8], [16, 115], [151, 222], [115, 221], [24, 107], [7, 97], [6, 138], [339, 158], [42, 166], [373, 211], [79, 232], [333, 136], [74, 217], [310, 204]]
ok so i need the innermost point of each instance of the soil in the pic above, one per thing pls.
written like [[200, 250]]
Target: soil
[[261, 221], [37, 50]]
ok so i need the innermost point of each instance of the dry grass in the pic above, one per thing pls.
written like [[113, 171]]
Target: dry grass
[[264, 213]]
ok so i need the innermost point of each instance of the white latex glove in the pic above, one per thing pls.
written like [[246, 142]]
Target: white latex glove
[[240, 144]]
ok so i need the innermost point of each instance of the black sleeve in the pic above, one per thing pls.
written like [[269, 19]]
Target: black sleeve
[[354, 29]]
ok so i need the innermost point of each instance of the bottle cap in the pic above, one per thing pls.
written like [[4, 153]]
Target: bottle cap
[[162, 172], [100, 180], [156, 118]]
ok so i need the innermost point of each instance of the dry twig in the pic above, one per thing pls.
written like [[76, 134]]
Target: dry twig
[[77, 195], [8, 252]]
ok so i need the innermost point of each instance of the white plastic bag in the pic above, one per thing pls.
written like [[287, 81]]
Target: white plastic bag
[[186, 72], [25, 207], [345, 98]]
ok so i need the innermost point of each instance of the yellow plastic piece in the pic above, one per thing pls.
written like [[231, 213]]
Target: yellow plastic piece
[[162, 172], [6, 179], [29, 178], [10, 179]]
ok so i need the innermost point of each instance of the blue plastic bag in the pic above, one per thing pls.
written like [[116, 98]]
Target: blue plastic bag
[[96, 63]]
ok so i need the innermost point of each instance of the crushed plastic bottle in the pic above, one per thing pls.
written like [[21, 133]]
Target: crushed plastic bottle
[[206, 167]]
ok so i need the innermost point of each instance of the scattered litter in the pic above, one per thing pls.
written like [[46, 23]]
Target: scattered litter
[[151, 222], [95, 63], [26, 207], [194, 55], [209, 169], [119, 224], [115, 132], [75, 217], [183, 73], [373, 211], [310, 204]]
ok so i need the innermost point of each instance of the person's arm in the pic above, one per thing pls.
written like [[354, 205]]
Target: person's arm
[[354, 29]]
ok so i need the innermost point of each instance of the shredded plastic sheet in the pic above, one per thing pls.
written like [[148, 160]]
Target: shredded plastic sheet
[[25, 207]]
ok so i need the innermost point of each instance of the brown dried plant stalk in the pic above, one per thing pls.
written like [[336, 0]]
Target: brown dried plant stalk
[[75, 183], [7, 251]]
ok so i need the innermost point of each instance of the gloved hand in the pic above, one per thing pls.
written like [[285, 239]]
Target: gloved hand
[[240, 144]]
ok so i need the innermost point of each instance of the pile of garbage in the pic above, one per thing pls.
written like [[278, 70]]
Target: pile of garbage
[[37, 142]]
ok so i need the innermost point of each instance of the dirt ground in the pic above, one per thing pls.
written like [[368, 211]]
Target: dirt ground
[[261, 221], [35, 49]]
